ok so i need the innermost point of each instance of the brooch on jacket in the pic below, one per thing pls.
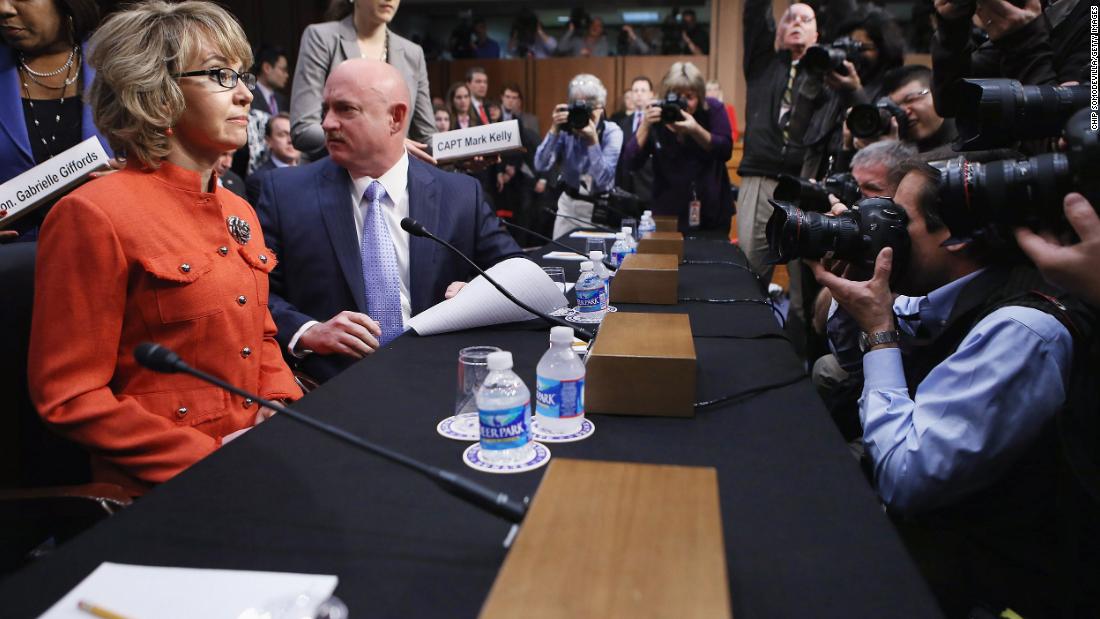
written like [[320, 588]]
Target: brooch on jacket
[[239, 228]]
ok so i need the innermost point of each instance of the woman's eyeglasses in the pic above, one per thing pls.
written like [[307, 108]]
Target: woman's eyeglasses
[[226, 78]]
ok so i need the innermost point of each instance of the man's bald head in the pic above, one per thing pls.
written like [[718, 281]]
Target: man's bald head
[[366, 116]]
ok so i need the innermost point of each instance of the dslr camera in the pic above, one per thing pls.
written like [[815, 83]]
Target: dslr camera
[[580, 114], [671, 107], [869, 121], [1000, 112], [820, 59], [814, 197], [856, 236]]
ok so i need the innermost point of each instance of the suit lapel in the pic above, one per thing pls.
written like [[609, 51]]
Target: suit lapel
[[12, 122], [423, 207], [349, 41], [333, 194]]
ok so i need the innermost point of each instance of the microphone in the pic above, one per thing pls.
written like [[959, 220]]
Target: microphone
[[414, 228], [587, 224], [606, 262], [160, 359]]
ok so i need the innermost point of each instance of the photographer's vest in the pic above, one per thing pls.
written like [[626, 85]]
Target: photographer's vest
[[1015, 543]]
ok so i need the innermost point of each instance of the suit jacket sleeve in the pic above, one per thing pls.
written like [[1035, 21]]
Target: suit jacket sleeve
[[758, 30], [314, 58], [72, 357], [494, 243], [287, 317], [422, 125]]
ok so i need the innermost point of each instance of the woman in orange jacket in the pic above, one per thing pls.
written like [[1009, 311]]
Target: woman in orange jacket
[[157, 252]]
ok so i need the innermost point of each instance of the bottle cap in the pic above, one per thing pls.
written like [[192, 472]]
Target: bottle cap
[[596, 256], [561, 334], [587, 265], [500, 360], [647, 213], [627, 230]]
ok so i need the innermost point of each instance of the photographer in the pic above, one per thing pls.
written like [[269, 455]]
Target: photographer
[[586, 147], [962, 384], [1025, 43], [688, 138], [910, 89]]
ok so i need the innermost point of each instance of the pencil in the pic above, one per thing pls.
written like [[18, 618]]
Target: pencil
[[98, 611]]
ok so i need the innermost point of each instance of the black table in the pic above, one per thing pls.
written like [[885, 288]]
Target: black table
[[805, 535]]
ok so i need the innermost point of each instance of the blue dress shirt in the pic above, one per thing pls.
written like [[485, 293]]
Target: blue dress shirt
[[578, 158], [974, 414]]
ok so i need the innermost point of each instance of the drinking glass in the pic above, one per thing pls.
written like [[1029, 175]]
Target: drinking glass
[[591, 245], [473, 365], [633, 223], [557, 274]]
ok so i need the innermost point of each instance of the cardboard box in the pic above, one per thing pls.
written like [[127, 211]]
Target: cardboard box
[[667, 223], [647, 278], [642, 364], [662, 243]]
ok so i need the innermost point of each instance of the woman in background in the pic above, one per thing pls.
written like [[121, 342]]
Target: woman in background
[[461, 107], [157, 252]]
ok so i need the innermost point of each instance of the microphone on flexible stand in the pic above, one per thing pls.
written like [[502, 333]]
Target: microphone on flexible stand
[[414, 228], [606, 262], [587, 224], [160, 359]]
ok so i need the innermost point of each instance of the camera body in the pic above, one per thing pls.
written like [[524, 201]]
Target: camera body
[[671, 107], [856, 236], [580, 114], [869, 121], [814, 197], [820, 59]]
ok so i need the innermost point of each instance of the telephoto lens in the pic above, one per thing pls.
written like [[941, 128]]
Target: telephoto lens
[[993, 197], [999, 112], [814, 197], [856, 236], [869, 121], [820, 59]]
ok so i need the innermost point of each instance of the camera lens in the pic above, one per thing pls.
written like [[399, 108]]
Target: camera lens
[[865, 121], [999, 112], [794, 233], [801, 192]]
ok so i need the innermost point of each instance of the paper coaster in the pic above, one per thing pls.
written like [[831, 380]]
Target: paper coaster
[[583, 318], [472, 458], [462, 427], [587, 430]]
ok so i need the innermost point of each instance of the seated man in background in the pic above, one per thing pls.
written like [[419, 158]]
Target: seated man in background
[[349, 278], [962, 384], [281, 153]]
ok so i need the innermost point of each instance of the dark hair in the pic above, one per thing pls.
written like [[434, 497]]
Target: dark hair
[[269, 54], [514, 87], [339, 9], [84, 15], [928, 198], [472, 71], [642, 78], [887, 37], [269, 127], [903, 75]]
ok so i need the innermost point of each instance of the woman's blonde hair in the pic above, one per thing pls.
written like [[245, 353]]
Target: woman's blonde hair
[[683, 76], [134, 97]]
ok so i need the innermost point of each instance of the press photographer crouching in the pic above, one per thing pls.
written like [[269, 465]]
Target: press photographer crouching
[[586, 147], [688, 138], [907, 113], [970, 378]]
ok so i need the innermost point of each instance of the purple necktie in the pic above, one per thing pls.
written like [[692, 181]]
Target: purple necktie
[[274, 106], [380, 275]]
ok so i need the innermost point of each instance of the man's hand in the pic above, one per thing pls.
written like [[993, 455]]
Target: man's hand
[[540, 185], [263, 415], [558, 118], [869, 303], [954, 9], [478, 163], [1001, 18], [850, 82], [1072, 267], [588, 134], [347, 333], [453, 289], [420, 151], [8, 235]]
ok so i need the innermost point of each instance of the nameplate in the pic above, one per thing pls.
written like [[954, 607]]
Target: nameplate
[[50, 179], [491, 139]]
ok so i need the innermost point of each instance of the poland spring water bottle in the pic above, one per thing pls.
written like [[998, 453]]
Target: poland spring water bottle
[[619, 250], [589, 291], [559, 401], [631, 242], [504, 413], [596, 256], [647, 224]]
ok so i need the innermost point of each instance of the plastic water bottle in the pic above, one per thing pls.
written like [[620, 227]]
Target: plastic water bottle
[[504, 413], [631, 242], [619, 250], [596, 256], [647, 224], [559, 401], [589, 291]]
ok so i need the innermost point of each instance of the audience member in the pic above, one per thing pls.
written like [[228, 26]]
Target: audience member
[[714, 91], [484, 47], [461, 107], [352, 277], [911, 88], [638, 181], [359, 30], [592, 43], [271, 78], [587, 154], [477, 83], [228, 178], [281, 153], [694, 36], [626, 107], [442, 119], [43, 73], [511, 103], [632, 44], [492, 109], [528, 38], [164, 265], [689, 155]]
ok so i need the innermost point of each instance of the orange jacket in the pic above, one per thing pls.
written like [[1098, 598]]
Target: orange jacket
[[144, 256]]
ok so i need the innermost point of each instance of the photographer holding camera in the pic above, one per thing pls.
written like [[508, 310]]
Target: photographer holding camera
[[907, 113], [586, 147], [964, 375], [688, 138]]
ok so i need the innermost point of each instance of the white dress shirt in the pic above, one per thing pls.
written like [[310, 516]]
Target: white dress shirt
[[395, 207]]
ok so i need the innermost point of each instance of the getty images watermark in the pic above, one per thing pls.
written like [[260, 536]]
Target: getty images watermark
[[1094, 47]]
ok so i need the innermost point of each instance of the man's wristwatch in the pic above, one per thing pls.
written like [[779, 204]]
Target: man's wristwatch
[[867, 341]]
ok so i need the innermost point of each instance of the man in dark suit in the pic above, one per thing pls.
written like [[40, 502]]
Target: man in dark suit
[[271, 77], [280, 150], [638, 182], [511, 106], [349, 278]]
